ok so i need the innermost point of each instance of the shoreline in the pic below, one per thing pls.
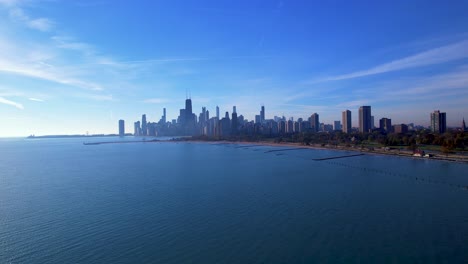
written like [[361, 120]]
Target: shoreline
[[404, 153], [382, 152]]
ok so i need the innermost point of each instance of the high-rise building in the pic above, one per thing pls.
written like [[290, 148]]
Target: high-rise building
[[365, 119], [262, 114], [314, 122], [337, 125], [137, 129], [234, 109], [164, 116], [438, 122], [188, 110], [258, 119], [463, 125], [144, 128], [346, 119], [121, 128], [385, 124], [234, 122], [372, 122]]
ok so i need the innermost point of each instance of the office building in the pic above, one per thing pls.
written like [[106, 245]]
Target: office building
[[144, 128], [337, 125], [385, 124], [314, 122], [438, 122], [346, 118], [365, 119], [262, 114], [121, 128]]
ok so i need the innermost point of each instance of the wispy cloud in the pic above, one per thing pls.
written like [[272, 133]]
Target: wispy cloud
[[35, 99], [45, 74], [8, 102], [438, 55], [156, 100], [42, 24]]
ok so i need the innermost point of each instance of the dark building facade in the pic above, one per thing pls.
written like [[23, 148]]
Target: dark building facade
[[365, 121], [121, 128], [438, 122], [386, 124]]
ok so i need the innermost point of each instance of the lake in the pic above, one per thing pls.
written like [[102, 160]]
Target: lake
[[65, 202]]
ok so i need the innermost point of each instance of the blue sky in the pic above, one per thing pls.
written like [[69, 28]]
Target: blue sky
[[71, 67]]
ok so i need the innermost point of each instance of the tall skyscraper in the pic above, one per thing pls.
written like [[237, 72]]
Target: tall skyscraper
[[463, 125], [438, 122], [314, 122], [188, 110], [365, 119], [234, 109], [217, 112], [346, 119], [234, 122], [164, 115], [385, 124], [137, 129], [121, 128], [144, 127], [262, 114], [372, 122]]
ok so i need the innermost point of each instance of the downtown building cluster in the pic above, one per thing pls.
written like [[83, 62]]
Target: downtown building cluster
[[189, 124]]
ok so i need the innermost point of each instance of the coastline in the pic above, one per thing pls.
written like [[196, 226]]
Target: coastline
[[391, 152], [394, 153]]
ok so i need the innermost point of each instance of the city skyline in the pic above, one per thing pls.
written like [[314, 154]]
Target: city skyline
[[188, 123], [62, 75]]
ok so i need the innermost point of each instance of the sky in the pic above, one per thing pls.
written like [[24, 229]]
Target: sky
[[76, 67]]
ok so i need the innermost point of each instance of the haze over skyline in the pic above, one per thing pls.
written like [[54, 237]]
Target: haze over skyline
[[68, 67]]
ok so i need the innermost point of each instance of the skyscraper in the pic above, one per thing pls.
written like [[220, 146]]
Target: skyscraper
[[217, 112], [137, 129], [346, 119], [438, 122], [386, 124], [463, 125], [234, 123], [121, 128], [372, 122], [262, 114], [144, 128], [365, 119], [188, 110], [234, 109], [164, 115], [314, 122]]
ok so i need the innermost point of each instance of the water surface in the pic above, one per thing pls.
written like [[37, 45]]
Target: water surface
[[64, 202]]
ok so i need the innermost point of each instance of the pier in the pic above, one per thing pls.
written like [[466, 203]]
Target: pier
[[339, 157]]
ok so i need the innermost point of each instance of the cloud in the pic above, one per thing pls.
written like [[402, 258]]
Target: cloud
[[156, 100], [9, 2], [8, 102], [42, 24], [45, 74], [433, 56], [97, 97], [35, 99]]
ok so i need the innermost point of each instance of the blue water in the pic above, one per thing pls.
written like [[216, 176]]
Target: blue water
[[64, 202]]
